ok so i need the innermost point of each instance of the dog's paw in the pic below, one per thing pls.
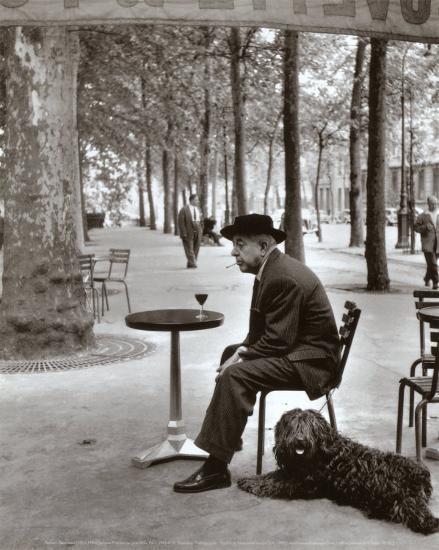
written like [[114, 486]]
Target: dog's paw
[[250, 484]]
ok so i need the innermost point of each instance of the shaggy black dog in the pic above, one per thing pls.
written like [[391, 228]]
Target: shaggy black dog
[[316, 462]]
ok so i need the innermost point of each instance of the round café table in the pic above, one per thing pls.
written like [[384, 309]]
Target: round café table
[[176, 444]]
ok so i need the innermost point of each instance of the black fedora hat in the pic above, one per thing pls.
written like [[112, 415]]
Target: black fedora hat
[[253, 224]]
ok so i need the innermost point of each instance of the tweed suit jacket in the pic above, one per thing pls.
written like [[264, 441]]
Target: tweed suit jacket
[[428, 231], [186, 223], [292, 318]]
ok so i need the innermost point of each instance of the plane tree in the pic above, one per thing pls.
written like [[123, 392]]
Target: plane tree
[[42, 312]]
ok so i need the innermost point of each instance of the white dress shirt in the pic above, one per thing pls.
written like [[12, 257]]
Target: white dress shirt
[[196, 213]]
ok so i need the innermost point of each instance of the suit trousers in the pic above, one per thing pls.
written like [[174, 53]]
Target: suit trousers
[[432, 272], [192, 245], [234, 398]]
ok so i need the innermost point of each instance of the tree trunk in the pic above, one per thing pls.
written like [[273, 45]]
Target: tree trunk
[[167, 197], [377, 274], [355, 194], [81, 186], [317, 188], [148, 169], [226, 179], [234, 207], [42, 311], [293, 202], [77, 199], [175, 193], [142, 221], [214, 182], [270, 162], [239, 122], [205, 128], [81, 158]]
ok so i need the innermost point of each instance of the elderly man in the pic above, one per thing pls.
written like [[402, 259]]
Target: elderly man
[[292, 342], [427, 225]]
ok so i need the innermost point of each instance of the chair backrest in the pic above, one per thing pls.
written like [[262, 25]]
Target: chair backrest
[[434, 381], [86, 265], [347, 332], [119, 256], [427, 298]]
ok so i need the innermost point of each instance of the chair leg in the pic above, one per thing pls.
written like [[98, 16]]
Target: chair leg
[[331, 411], [400, 417], [88, 303], [424, 426], [95, 299], [418, 429], [261, 433], [104, 295], [128, 298], [412, 392]]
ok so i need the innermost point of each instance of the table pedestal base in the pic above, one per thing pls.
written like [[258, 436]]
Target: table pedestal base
[[169, 450]]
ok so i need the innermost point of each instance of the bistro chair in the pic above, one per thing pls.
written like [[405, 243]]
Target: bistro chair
[[427, 388], [428, 341], [117, 272], [347, 331], [86, 265]]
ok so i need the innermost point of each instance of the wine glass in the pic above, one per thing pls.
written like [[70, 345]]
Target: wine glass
[[201, 298]]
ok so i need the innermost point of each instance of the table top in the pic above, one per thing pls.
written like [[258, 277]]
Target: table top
[[430, 313], [173, 319]]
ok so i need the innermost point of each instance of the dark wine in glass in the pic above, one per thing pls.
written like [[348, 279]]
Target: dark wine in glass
[[201, 298]]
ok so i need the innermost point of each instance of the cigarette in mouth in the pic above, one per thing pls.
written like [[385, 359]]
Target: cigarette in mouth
[[231, 265]]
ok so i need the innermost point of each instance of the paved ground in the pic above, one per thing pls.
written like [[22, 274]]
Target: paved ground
[[57, 493]]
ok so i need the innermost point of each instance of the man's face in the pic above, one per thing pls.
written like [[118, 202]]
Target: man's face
[[195, 201], [248, 253], [432, 204]]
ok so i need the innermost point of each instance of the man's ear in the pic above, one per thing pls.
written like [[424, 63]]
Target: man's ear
[[264, 246]]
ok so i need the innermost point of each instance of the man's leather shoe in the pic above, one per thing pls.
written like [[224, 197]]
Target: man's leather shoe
[[201, 481]]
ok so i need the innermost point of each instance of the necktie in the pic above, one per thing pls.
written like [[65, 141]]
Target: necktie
[[195, 214], [255, 292]]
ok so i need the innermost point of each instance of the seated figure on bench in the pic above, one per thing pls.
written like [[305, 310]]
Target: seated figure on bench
[[209, 224]]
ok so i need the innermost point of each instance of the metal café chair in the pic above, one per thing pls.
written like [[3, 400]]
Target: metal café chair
[[428, 341], [347, 331], [86, 265], [427, 388], [119, 257]]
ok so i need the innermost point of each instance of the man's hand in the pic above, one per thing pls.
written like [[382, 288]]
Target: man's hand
[[230, 361]]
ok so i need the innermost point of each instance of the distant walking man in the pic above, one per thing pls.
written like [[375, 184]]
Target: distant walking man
[[190, 225], [427, 225]]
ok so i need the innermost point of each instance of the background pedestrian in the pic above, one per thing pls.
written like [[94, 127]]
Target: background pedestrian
[[190, 225]]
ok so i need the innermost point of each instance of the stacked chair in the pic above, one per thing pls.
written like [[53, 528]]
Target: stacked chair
[[427, 384], [117, 272], [86, 265]]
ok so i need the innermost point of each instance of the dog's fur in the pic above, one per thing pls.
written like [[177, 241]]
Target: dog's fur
[[314, 461]]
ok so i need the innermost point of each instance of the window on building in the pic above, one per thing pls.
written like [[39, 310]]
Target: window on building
[[421, 184], [346, 198], [339, 199], [363, 182], [322, 199], [436, 181], [395, 182]]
